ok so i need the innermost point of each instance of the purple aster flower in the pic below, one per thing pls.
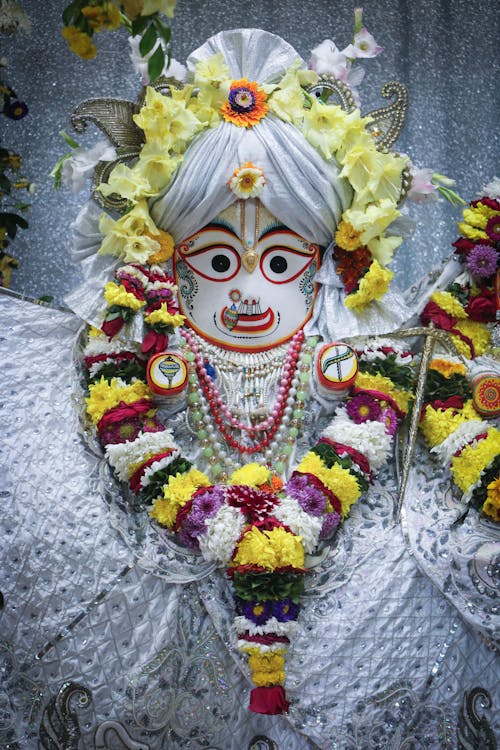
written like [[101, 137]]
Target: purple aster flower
[[309, 497], [482, 261], [257, 612], [330, 524], [285, 610], [207, 503], [390, 419], [187, 538], [363, 408], [241, 99], [16, 110]]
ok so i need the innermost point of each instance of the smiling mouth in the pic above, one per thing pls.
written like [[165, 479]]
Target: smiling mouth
[[248, 323]]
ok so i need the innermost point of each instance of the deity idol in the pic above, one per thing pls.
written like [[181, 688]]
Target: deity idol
[[248, 368]]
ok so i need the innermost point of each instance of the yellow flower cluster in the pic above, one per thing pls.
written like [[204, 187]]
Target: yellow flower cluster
[[164, 317], [449, 304], [272, 549], [438, 424], [347, 237], [102, 17], [116, 294], [468, 466], [130, 238], [372, 286], [105, 395], [384, 385], [491, 505], [475, 220], [253, 475], [341, 482], [79, 42], [477, 332], [176, 494], [267, 667]]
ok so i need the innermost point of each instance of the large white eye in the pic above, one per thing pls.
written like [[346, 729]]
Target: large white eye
[[281, 264], [216, 262]]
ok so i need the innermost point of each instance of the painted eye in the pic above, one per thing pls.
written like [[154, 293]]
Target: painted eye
[[278, 264], [281, 264], [221, 263], [216, 262]]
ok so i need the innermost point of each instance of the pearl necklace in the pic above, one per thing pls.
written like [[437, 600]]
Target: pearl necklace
[[274, 435]]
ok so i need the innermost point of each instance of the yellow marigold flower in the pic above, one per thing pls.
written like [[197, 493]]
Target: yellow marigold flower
[[166, 242], [468, 466], [447, 368], [102, 17], [267, 679], [176, 494], [438, 424], [115, 294], [449, 304], [372, 286], [252, 474], [79, 42], [311, 464], [162, 315], [491, 505], [347, 237], [477, 332], [288, 549], [265, 661], [255, 549], [105, 395]]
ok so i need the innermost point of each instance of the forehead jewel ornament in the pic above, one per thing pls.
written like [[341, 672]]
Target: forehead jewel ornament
[[247, 182]]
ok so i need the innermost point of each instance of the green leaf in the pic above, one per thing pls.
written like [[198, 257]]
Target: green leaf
[[69, 140], [70, 12], [148, 41], [163, 30], [5, 184], [156, 63], [139, 24], [48, 298]]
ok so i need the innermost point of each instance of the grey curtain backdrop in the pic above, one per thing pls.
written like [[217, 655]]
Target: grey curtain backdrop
[[445, 52]]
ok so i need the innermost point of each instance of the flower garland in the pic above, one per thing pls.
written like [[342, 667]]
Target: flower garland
[[450, 421], [170, 123], [257, 527]]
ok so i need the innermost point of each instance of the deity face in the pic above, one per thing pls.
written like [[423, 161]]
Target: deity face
[[245, 280]]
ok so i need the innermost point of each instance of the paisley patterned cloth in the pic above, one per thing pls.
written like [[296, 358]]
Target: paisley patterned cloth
[[112, 638]]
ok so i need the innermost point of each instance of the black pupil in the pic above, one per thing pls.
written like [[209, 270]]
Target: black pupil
[[278, 264], [220, 263]]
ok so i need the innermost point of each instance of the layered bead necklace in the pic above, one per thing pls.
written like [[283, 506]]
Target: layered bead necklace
[[237, 422]]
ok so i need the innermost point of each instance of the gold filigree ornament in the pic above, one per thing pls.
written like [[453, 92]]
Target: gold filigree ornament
[[114, 118]]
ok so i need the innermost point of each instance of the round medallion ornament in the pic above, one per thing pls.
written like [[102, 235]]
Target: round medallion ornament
[[336, 366], [167, 373], [486, 394]]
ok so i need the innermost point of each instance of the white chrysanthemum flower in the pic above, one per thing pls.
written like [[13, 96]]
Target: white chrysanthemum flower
[[243, 645], [222, 533], [274, 626], [247, 181], [369, 438], [102, 345], [464, 434], [122, 455], [303, 524], [371, 352]]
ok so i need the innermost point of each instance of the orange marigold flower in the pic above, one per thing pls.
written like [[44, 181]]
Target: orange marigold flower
[[245, 105], [447, 368], [166, 242]]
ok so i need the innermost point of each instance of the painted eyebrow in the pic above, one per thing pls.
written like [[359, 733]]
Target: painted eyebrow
[[221, 224], [276, 226]]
